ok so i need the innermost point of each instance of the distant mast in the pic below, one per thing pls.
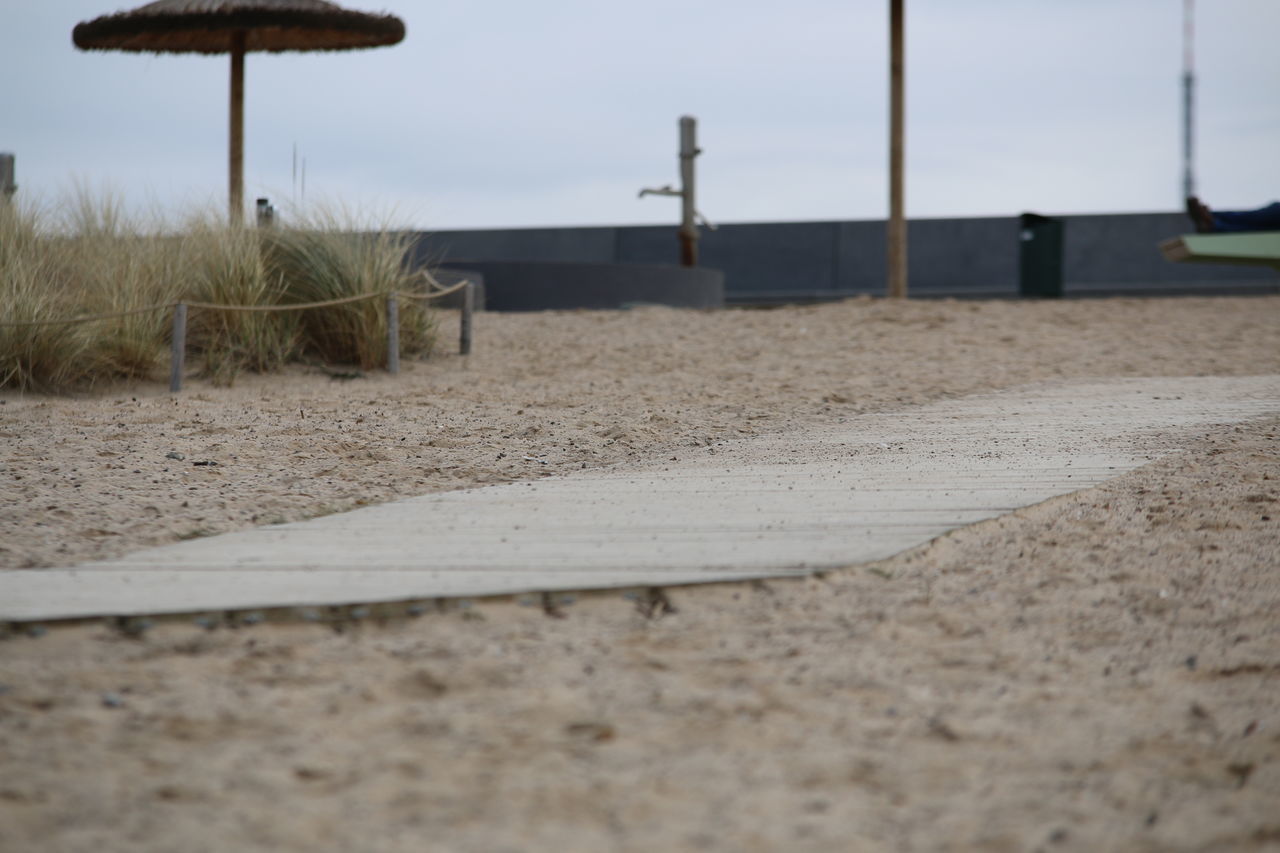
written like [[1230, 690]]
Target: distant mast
[[1188, 97]]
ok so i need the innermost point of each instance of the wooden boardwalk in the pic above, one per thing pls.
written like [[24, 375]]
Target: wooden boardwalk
[[855, 491]]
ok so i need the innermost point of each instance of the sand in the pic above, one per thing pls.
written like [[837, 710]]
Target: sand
[[1100, 672]]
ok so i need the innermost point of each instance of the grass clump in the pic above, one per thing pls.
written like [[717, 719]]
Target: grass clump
[[88, 260], [92, 259], [33, 290], [327, 259], [227, 267], [119, 265]]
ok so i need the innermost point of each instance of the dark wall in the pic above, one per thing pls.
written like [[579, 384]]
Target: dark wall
[[801, 261], [555, 285]]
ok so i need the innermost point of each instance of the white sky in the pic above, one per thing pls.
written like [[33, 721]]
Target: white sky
[[497, 113]]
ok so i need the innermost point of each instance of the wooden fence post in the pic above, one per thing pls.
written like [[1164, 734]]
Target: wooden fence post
[[178, 349], [468, 306], [393, 334]]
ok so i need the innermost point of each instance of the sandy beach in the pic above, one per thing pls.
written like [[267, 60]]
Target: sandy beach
[[1099, 672]]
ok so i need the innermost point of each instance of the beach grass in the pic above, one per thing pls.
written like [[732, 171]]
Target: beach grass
[[34, 290], [333, 254], [87, 257], [228, 267]]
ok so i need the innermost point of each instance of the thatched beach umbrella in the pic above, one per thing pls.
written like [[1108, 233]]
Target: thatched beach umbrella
[[237, 27]]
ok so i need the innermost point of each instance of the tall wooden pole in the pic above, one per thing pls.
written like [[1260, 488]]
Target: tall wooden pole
[[235, 170], [897, 231], [688, 210], [7, 171]]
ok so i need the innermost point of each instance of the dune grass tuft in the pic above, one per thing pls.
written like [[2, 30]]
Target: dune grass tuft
[[35, 288], [88, 257], [331, 257], [227, 267]]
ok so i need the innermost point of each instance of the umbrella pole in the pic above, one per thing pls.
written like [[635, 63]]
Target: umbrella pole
[[897, 234], [236, 166]]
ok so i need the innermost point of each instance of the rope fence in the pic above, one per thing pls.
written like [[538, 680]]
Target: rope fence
[[177, 356]]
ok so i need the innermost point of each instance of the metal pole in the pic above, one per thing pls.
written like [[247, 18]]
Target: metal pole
[[235, 171], [468, 306], [688, 228], [178, 348], [897, 225], [1188, 99], [393, 334]]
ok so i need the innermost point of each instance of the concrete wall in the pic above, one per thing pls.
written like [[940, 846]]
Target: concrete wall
[[800, 261], [565, 286]]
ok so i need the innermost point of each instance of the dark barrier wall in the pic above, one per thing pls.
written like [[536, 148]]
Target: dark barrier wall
[[1108, 254], [557, 285]]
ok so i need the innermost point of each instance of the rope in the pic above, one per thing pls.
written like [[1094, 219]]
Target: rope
[[301, 306], [437, 294]]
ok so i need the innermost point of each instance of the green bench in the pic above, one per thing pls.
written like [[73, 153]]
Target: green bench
[[1257, 248]]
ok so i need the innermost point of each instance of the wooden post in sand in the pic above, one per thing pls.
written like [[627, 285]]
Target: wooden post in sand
[[468, 306], [7, 185], [393, 334], [178, 348]]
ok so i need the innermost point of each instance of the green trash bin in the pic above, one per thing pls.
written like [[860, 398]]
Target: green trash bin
[[1040, 256]]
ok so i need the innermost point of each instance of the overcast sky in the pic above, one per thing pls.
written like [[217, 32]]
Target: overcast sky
[[496, 113]]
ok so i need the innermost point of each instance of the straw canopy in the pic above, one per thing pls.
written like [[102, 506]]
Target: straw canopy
[[237, 27], [209, 26]]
